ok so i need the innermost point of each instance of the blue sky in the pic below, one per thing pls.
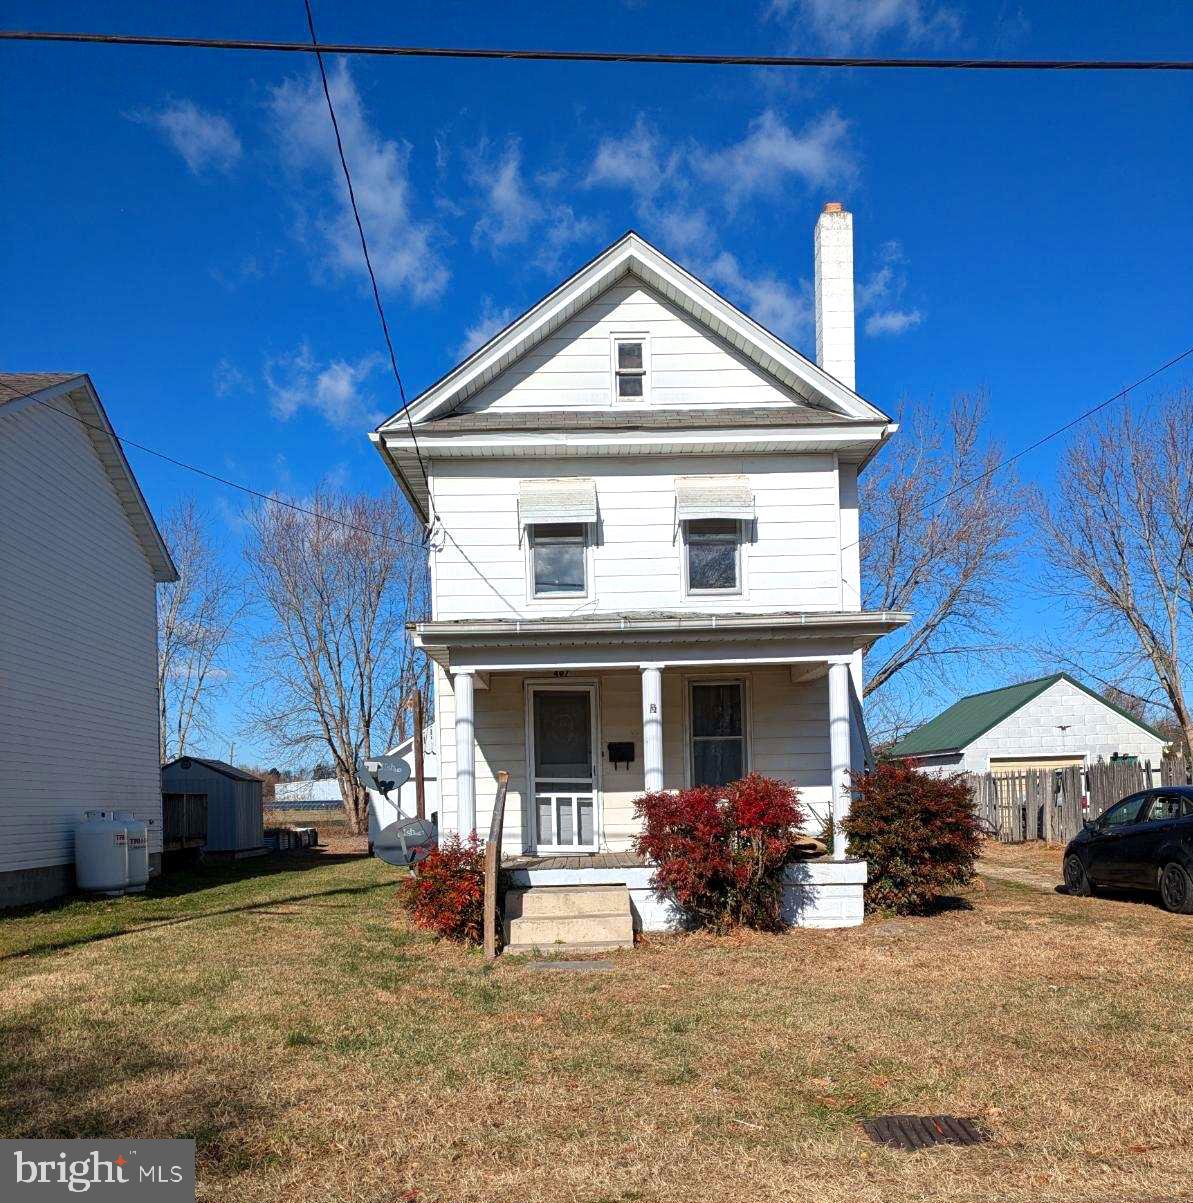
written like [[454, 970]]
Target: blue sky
[[180, 232]]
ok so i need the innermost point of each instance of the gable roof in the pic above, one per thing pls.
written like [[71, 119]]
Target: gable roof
[[76, 396], [971, 717], [632, 254], [218, 766]]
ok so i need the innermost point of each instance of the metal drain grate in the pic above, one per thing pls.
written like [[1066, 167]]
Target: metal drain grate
[[913, 1132]]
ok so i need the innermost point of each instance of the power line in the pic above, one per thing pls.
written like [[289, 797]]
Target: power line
[[364, 246], [602, 56], [1089, 413], [232, 484]]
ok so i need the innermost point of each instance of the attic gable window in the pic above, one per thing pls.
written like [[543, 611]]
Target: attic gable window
[[629, 367]]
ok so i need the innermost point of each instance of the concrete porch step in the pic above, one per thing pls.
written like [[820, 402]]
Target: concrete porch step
[[554, 902], [571, 918]]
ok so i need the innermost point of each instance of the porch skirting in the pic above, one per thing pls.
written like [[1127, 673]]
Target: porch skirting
[[817, 893]]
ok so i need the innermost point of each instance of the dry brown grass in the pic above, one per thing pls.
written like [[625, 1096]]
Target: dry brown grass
[[1035, 856], [319, 1049]]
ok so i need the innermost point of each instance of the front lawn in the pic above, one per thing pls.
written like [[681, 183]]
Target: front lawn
[[286, 1016]]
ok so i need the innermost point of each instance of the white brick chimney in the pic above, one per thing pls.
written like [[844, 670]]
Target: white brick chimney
[[834, 293]]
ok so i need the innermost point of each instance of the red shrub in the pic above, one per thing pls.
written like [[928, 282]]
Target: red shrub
[[446, 892], [721, 852], [918, 832]]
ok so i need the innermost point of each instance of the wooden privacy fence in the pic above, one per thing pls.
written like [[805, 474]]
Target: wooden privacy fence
[[1052, 804]]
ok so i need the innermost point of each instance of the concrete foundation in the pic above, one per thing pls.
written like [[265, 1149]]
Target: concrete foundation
[[28, 887], [818, 893]]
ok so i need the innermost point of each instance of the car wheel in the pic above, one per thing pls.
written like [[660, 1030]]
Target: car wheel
[[1176, 890], [1076, 878]]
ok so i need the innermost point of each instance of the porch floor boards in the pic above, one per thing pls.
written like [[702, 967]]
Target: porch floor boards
[[582, 860]]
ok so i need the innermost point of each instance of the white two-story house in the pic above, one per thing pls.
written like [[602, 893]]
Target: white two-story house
[[644, 563]]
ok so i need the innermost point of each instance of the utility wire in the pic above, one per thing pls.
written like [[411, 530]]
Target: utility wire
[[364, 246], [232, 484], [604, 56], [1089, 413]]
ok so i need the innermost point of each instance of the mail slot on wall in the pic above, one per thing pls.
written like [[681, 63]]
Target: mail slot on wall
[[621, 753]]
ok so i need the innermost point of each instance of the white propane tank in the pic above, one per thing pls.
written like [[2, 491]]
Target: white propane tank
[[137, 832], [101, 853]]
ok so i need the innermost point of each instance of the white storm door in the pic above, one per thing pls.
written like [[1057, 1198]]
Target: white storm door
[[563, 768]]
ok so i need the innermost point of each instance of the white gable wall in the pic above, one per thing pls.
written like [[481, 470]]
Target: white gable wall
[[573, 369], [793, 561], [78, 691], [1094, 731]]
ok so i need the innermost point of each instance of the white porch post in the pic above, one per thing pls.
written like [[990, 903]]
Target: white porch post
[[463, 686], [839, 718], [652, 727]]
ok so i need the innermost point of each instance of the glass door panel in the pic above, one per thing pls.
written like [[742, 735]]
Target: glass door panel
[[564, 775]]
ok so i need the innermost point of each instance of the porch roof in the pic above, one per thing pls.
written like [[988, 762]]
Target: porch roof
[[655, 635]]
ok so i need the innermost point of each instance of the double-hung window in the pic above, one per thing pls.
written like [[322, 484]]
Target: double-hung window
[[717, 711], [713, 554], [629, 367], [558, 559]]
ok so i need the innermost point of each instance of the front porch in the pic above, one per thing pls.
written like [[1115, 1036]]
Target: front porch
[[588, 715]]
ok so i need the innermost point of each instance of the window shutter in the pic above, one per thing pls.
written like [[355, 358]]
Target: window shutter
[[563, 500], [713, 497]]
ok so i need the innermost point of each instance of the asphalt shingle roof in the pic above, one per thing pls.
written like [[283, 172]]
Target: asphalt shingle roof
[[970, 717], [15, 385], [220, 766], [655, 419]]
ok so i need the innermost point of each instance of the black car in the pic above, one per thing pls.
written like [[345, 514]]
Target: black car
[[1143, 842]]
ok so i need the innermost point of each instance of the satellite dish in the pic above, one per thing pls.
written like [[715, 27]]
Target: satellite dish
[[405, 842], [383, 774]]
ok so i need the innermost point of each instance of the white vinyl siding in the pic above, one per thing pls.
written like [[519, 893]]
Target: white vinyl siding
[[787, 729], [688, 365], [78, 701], [790, 559]]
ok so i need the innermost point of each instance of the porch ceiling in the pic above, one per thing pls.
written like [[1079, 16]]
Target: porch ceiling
[[656, 637]]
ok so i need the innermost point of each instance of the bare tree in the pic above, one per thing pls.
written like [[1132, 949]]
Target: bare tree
[[338, 588], [197, 619], [945, 563], [1119, 538]]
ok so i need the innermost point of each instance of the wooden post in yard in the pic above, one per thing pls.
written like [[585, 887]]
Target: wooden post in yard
[[493, 865], [420, 782]]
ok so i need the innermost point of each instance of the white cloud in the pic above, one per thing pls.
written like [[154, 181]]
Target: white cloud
[[206, 141], [893, 321], [491, 320], [878, 296], [774, 303], [845, 25], [402, 245], [335, 390], [227, 378], [517, 213], [771, 154]]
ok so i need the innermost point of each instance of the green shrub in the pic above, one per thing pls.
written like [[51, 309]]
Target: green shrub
[[918, 832]]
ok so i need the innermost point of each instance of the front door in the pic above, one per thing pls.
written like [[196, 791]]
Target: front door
[[563, 769]]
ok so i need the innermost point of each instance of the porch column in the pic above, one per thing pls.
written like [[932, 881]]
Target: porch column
[[463, 684], [652, 727], [838, 743]]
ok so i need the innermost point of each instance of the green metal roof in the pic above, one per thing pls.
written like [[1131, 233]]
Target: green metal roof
[[970, 717]]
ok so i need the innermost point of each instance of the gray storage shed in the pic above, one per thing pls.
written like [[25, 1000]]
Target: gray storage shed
[[235, 824]]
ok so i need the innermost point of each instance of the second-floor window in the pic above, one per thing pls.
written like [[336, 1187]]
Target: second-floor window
[[558, 559], [629, 367], [713, 554]]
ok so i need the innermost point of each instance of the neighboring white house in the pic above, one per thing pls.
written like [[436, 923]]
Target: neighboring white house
[[644, 562], [80, 560], [1050, 723]]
